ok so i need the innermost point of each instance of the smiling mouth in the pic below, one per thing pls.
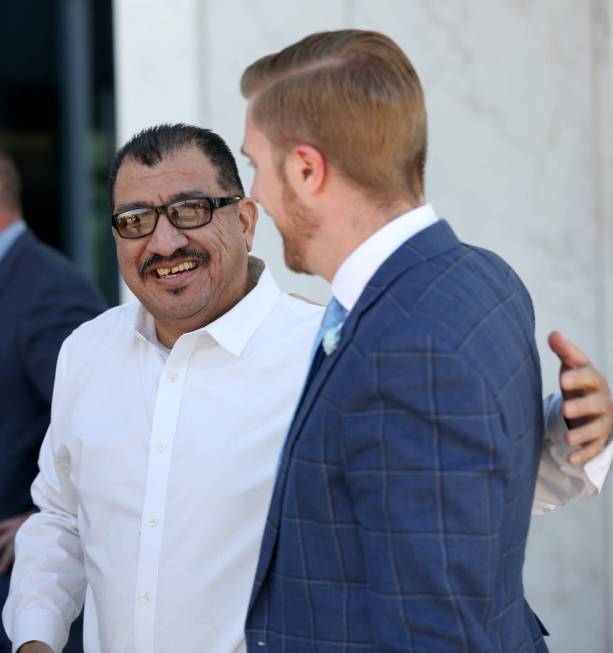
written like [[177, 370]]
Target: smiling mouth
[[175, 270]]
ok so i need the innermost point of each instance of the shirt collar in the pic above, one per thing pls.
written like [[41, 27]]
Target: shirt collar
[[9, 235], [233, 329], [360, 266]]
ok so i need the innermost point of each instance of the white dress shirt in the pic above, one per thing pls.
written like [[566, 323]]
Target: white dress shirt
[[156, 475], [558, 481], [155, 478]]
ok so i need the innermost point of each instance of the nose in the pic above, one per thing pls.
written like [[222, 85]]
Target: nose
[[166, 239]]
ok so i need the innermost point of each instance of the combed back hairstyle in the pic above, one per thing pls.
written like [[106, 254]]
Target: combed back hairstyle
[[353, 95], [10, 185], [151, 145]]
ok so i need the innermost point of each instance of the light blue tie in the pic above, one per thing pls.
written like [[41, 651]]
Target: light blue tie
[[329, 332]]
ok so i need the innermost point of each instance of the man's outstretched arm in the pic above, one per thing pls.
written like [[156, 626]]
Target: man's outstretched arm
[[48, 579], [577, 452]]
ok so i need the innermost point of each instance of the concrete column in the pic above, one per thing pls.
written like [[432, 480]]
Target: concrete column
[[75, 102]]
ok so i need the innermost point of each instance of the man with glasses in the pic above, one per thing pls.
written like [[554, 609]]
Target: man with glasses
[[169, 414]]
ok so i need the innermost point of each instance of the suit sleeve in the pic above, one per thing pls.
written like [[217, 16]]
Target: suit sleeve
[[48, 579], [426, 463], [52, 315]]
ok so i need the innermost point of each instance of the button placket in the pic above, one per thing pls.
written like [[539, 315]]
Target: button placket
[[165, 418]]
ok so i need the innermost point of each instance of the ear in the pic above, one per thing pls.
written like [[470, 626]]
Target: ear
[[306, 169], [248, 217]]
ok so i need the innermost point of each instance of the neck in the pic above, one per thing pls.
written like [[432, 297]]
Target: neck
[[6, 221], [348, 230], [169, 330]]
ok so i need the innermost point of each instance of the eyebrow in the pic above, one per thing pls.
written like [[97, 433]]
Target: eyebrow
[[177, 197]]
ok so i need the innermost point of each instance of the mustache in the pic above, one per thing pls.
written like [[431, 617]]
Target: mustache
[[181, 253]]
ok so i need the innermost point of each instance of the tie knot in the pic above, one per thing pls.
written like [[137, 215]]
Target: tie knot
[[331, 324], [330, 328], [334, 315]]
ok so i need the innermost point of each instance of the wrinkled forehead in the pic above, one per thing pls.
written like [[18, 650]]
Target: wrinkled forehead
[[177, 173]]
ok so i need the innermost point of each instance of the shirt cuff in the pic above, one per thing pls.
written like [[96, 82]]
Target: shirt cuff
[[39, 625], [595, 471]]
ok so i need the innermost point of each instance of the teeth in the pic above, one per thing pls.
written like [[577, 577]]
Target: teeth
[[182, 267]]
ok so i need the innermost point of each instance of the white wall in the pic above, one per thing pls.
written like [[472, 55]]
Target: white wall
[[519, 100]]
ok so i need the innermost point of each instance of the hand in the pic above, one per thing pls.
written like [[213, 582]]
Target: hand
[[34, 647], [587, 407], [8, 530]]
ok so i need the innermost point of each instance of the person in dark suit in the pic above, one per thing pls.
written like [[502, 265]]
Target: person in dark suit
[[401, 508], [43, 298]]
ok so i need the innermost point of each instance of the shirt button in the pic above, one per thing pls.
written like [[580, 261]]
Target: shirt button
[[144, 597], [173, 376], [153, 522], [162, 446]]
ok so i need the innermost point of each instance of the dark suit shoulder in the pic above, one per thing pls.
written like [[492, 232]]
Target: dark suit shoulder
[[41, 276], [50, 267], [453, 294], [467, 301]]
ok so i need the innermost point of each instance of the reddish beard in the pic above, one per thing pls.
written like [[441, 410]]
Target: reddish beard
[[298, 230]]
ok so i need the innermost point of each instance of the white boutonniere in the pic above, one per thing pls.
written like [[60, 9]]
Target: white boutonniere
[[331, 339]]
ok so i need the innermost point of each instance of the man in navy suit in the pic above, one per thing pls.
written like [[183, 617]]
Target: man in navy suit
[[402, 503], [42, 299]]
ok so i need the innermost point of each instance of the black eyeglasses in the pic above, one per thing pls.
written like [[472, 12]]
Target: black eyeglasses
[[189, 213]]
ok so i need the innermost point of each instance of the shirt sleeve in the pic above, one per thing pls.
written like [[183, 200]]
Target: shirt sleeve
[[48, 580], [558, 481]]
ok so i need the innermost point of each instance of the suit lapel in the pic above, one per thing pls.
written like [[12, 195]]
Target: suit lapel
[[425, 245]]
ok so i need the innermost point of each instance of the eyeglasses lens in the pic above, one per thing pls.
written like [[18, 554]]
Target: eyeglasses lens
[[189, 214], [136, 223]]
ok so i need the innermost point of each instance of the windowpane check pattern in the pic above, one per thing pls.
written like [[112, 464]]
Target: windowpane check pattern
[[401, 508]]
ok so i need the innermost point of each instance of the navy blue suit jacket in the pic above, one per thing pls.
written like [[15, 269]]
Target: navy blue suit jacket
[[43, 298], [400, 513]]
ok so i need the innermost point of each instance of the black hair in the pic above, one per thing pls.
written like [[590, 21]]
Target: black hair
[[151, 145]]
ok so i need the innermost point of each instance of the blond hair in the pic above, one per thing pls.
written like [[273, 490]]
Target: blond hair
[[356, 97]]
